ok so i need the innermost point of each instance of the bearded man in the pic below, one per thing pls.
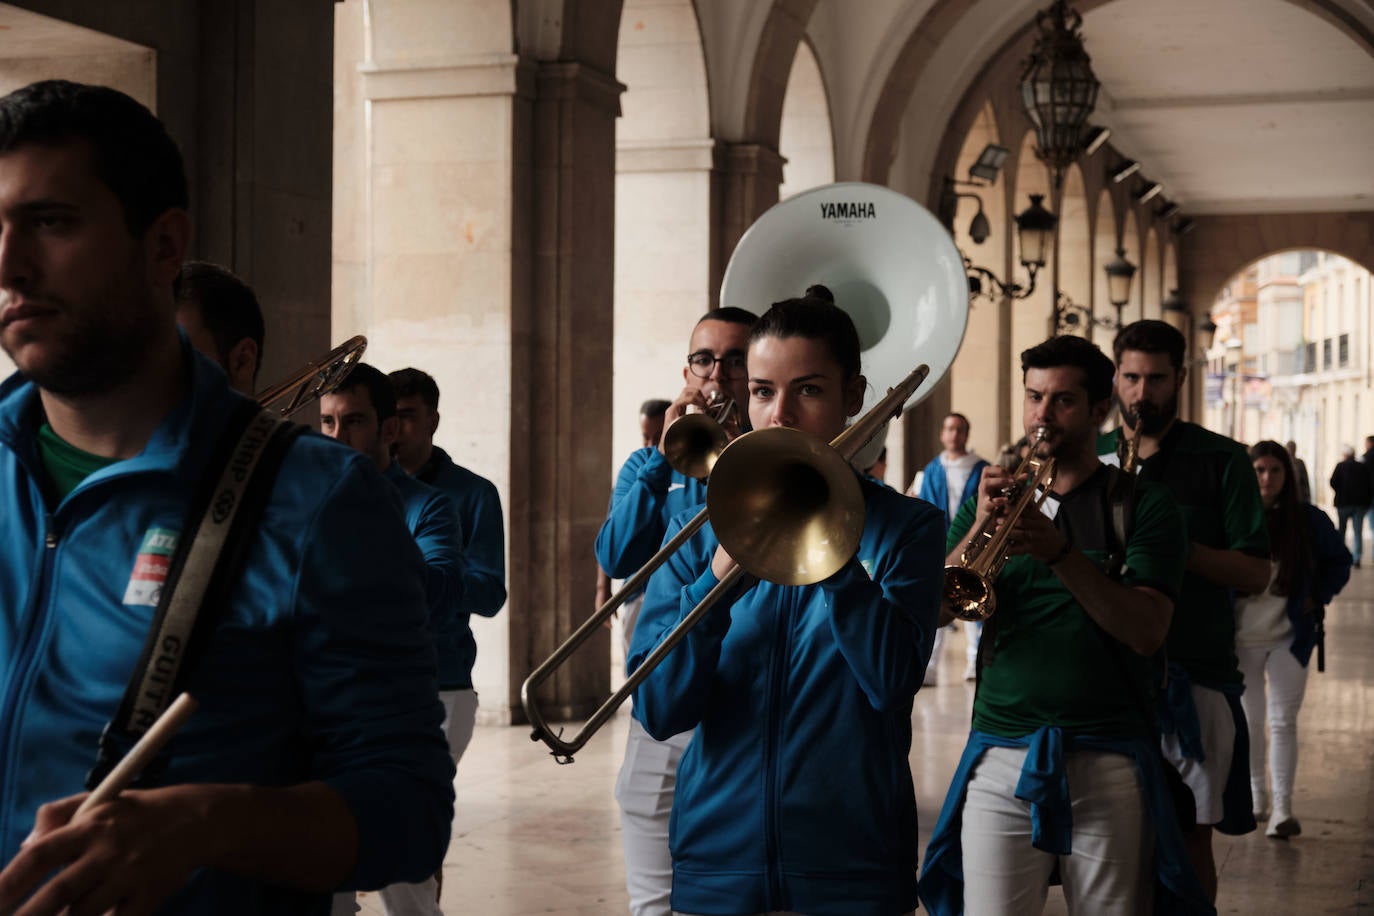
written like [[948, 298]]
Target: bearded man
[[1211, 480]]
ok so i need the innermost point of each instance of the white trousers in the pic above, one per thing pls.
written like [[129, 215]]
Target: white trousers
[[644, 790], [1111, 869], [1207, 779], [973, 632], [422, 898], [1272, 672]]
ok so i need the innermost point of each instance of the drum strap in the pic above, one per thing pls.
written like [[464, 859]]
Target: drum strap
[[206, 564]]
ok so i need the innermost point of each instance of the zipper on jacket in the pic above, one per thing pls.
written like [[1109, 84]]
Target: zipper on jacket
[[19, 673], [778, 653]]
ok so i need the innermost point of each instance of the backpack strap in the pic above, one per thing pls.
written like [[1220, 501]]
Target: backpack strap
[[207, 562]]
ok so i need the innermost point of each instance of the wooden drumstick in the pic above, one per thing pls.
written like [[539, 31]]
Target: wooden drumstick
[[141, 754]]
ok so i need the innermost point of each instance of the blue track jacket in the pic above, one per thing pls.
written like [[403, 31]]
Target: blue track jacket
[[323, 668], [1332, 561], [796, 792], [648, 493], [484, 554], [433, 522], [935, 486]]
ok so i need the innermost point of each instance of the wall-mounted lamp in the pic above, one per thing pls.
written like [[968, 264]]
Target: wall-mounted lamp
[[1035, 235], [982, 173], [1069, 315], [989, 163], [1120, 272], [1094, 139], [1149, 192], [1125, 170], [1175, 303]]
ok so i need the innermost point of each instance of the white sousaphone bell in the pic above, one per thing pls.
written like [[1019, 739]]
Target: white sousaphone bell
[[890, 264]]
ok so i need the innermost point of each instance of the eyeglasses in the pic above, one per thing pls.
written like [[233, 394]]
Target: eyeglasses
[[703, 363]]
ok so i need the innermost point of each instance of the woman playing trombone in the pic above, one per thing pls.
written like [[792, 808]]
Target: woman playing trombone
[[795, 794]]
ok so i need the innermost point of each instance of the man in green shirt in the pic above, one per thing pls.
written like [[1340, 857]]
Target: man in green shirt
[[1061, 769], [1210, 479]]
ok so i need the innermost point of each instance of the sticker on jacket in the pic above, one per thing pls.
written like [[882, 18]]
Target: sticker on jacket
[[150, 567]]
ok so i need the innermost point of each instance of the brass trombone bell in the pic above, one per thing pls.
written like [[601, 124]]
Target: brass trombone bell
[[786, 506]]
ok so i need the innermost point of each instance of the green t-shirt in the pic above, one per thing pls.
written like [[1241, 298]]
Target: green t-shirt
[[1213, 483], [1045, 661], [66, 465]]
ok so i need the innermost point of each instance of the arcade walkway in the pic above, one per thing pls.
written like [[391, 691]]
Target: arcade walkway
[[533, 837]]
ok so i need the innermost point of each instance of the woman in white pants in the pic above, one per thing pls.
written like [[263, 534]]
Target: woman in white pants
[[1277, 630]]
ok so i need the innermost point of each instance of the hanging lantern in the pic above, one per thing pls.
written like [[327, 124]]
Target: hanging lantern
[[1058, 88]]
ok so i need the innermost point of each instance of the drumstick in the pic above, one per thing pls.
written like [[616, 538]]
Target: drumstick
[[141, 754]]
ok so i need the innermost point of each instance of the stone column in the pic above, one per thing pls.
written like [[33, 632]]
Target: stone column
[[745, 182], [433, 265], [561, 374]]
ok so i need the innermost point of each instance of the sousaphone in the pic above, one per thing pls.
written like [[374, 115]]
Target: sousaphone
[[890, 264]]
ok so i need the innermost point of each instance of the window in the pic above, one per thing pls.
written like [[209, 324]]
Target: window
[[1326, 353], [1309, 357], [1344, 350]]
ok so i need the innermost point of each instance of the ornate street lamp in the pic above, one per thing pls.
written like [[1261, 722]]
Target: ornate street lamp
[[1035, 236], [1058, 88], [1120, 272]]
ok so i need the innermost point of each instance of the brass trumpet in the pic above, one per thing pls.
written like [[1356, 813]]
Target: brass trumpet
[[968, 585], [694, 441]]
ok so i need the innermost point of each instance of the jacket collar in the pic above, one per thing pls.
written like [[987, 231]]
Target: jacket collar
[[179, 444]]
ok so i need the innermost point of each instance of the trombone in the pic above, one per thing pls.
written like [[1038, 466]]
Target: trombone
[[787, 508], [315, 379]]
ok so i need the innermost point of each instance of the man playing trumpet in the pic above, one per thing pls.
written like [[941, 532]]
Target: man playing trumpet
[[648, 493], [1062, 769]]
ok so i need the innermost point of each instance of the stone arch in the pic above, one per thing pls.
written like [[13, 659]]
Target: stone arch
[[1219, 247], [806, 138], [775, 54]]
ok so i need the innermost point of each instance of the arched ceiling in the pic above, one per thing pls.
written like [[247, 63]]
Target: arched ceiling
[[1237, 106], [1233, 105]]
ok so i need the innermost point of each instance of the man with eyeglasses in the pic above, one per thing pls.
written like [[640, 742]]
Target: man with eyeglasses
[[648, 492]]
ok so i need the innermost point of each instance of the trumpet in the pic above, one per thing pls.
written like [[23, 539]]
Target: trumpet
[[785, 506], [968, 587], [695, 441]]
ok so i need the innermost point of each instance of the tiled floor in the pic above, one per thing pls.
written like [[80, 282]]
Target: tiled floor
[[534, 837]]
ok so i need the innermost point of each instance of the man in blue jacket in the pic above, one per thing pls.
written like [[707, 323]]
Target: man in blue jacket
[[949, 481], [361, 413], [648, 493], [221, 316], [315, 760], [483, 543]]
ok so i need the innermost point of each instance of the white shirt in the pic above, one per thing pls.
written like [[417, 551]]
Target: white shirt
[[957, 472]]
